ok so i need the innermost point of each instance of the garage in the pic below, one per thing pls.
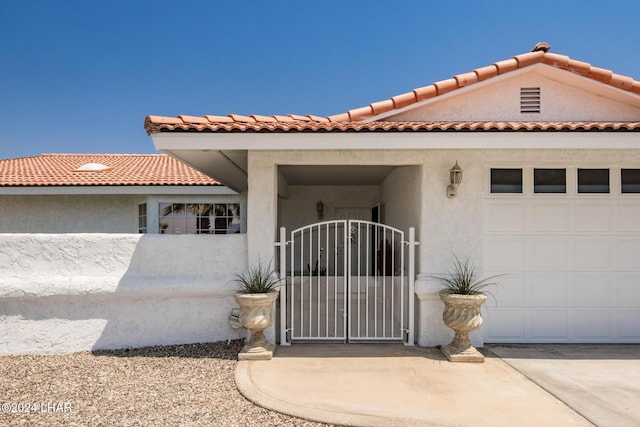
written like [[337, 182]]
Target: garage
[[569, 239]]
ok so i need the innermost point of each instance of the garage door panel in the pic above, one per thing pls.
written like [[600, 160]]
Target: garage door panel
[[594, 216], [505, 325], [629, 253], [548, 289], [504, 253], [593, 289], [628, 324], [594, 253], [550, 325], [593, 325], [505, 217], [628, 290], [549, 217], [510, 290], [548, 253], [629, 218]]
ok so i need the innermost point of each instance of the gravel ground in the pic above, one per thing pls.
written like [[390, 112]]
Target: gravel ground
[[188, 385]]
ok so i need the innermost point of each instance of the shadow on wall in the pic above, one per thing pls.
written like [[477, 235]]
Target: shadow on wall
[[95, 292]]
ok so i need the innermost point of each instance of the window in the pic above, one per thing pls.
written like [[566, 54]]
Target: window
[[199, 218], [506, 180], [593, 180], [142, 218], [630, 180], [549, 181], [529, 100]]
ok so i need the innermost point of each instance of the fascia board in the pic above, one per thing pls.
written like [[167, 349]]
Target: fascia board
[[116, 190], [397, 141]]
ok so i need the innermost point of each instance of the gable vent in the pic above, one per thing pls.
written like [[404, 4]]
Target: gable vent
[[529, 100]]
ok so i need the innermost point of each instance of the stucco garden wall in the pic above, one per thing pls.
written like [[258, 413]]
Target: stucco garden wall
[[61, 293], [70, 213]]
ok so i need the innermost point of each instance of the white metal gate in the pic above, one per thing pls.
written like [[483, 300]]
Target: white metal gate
[[347, 280]]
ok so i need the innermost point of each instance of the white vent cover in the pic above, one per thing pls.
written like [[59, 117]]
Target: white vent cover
[[529, 100]]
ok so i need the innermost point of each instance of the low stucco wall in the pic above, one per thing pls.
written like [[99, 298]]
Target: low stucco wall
[[62, 293]]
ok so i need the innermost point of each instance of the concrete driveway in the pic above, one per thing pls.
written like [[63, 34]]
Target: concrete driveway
[[600, 382], [387, 384]]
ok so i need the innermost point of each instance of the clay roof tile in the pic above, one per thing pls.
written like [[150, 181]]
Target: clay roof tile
[[242, 119], [487, 72], [425, 92], [193, 119], [506, 65], [258, 118], [382, 106], [404, 99], [219, 119], [360, 113], [466, 79]]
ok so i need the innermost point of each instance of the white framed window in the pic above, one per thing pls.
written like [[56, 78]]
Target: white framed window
[[506, 180], [630, 181], [199, 218], [549, 181], [593, 181]]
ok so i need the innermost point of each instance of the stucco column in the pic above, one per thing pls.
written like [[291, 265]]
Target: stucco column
[[262, 198], [448, 226]]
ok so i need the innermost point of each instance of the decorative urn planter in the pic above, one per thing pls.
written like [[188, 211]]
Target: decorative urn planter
[[462, 314], [256, 314]]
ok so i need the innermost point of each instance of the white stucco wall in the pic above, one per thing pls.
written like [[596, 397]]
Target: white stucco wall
[[69, 213], [416, 191], [61, 293]]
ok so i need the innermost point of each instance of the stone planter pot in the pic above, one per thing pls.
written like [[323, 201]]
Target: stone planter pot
[[462, 314], [256, 314]]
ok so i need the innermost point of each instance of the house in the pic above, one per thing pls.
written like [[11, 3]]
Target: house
[[101, 251], [104, 193], [529, 166]]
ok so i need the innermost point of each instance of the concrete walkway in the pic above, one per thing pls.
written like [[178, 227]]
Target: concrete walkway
[[385, 385]]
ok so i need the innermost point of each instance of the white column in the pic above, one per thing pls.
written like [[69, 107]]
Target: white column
[[262, 199]]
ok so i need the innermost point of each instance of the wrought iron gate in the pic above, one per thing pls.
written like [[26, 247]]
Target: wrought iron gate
[[347, 280]]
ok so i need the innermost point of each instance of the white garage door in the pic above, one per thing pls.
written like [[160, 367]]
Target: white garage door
[[574, 264]]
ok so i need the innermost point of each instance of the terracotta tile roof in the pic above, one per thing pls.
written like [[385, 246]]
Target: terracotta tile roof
[[352, 120], [121, 169]]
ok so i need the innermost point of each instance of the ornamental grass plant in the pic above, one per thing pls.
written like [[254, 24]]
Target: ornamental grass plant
[[259, 279], [464, 280]]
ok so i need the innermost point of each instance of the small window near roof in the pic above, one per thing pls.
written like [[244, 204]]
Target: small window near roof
[[529, 100], [506, 180], [630, 180], [549, 181], [593, 180]]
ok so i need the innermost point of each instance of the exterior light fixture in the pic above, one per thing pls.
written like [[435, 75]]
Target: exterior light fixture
[[455, 176], [320, 209]]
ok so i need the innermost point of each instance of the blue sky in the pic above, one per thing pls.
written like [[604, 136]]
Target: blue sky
[[80, 76]]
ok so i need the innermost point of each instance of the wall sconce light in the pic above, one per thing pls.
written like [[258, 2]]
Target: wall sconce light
[[320, 209], [455, 176]]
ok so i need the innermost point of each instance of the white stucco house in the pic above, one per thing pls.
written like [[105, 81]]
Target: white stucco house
[[356, 211], [110, 250], [549, 147], [101, 193]]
